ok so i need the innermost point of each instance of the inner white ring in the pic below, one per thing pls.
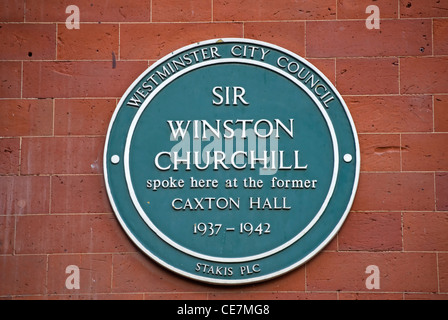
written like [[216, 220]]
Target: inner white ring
[[213, 258]]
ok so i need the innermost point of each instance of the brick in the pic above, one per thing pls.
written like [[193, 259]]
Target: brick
[[426, 9], [424, 75], [134, 272], [26, 117], [181, 10], [153, 41], [83, 116], [356, 9], [94, 273], [380, 152], [90, 10], [395, 191], [442, 191], [370, 296], [440, 27], [443, 271], [97, 296], [291, 281], [80, 78], [289, 35], [353, 39], [9, 155], [12, 11], [346, 271], [425, 152], [367, 76], [441, 113], [259, 10], [22, 275], [425, 231], [24, 195], [91, 42], [7, 225], [383, 114], [176, 296], [326, 66], [371, 231], [79, 194], [27, 41], [10, 79], [425, 296], [79, 155], [269, 296], [83, 233]]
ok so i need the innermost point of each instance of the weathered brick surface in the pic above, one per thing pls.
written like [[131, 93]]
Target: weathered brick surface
[[70, 79], [423, 75], [289, 35], [427, 9], [345, 271], [440, 113], [91, 11], [81, 194], [55, 233], [423, 152], [395, 191], [12, 11], [79, 155], [442, 191], [24, 195], [82, 116], [92, 42], [440, 31], [27, 41], [59, 88], [380, 152], [443, 269], [353, 39], [181, 10], [149, 41], [361, 76], [10, 79], [425, 231], [405, 113], [371, 231], [9, 155], [254, 10], [16, 277], [26, 118]]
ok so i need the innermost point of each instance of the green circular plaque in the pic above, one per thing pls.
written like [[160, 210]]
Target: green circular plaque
[[231, 161]]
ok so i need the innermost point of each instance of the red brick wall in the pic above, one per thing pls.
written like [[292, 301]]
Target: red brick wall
[[59, 87]]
